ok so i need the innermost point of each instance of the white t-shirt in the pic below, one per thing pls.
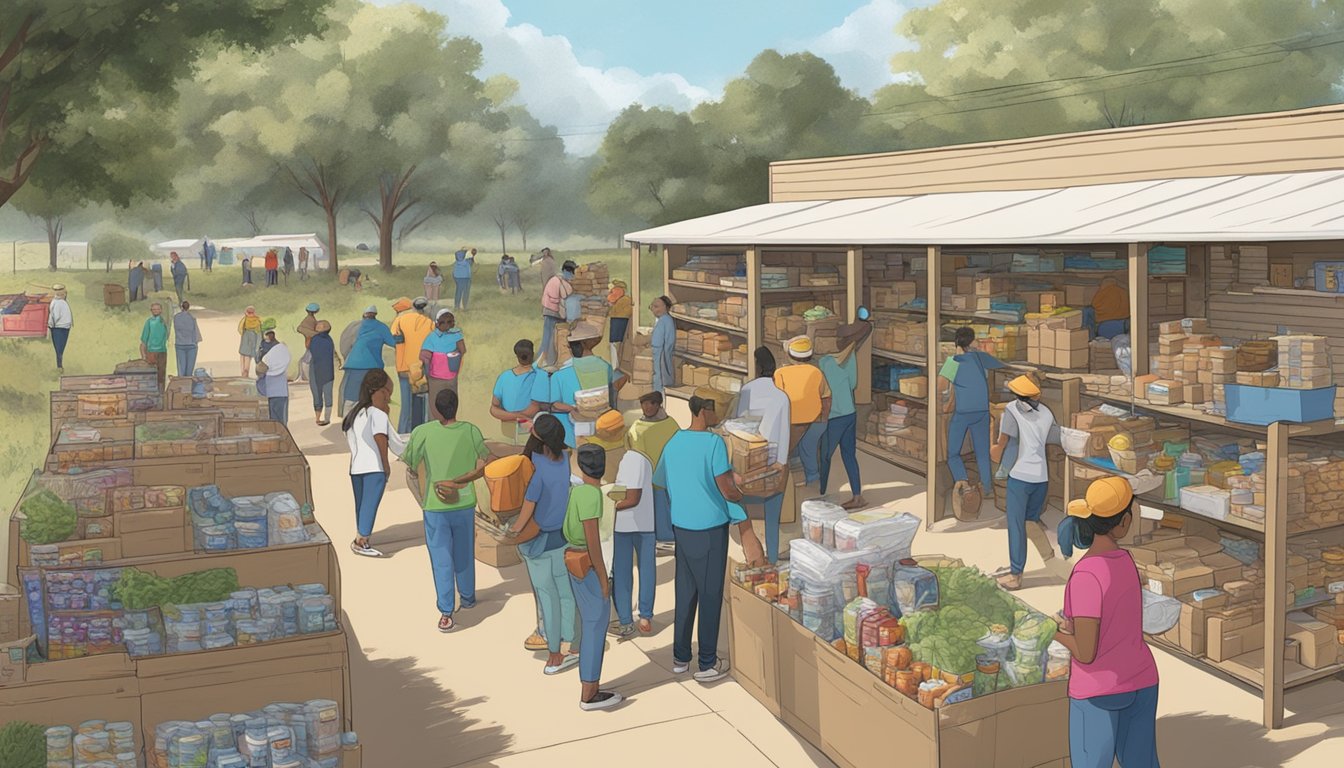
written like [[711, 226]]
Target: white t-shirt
[[58, 314], [277, 360], [364, 455], [761, 397], [1034, 429], [635, 472]]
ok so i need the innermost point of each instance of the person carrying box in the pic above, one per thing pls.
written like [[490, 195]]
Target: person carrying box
[[964, 383]]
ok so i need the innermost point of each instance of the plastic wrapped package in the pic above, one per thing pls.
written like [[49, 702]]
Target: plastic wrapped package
[[819, 519], [1058, 661], [869, 530], [914, 588], [1160, 613]]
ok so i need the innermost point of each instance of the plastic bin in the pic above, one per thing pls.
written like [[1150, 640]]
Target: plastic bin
[[1329, 276]]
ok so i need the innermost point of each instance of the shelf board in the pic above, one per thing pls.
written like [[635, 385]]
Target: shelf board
[[1065, 273], [891, 457], [924, 401], [1191, 414], [1249, 667], [710, 324], [989, 317], [901, 357], [807, 289], [711, 361], [707, 287]]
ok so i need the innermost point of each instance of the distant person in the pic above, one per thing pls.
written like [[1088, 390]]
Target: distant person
[[288, 263], [369, 433], [762, 398], [513, 277], [548, 269], [442, 354], [463, 263], [410, 328], [588, 577], [178, 269], [154, 341], [274, 366], [648, 435], [307, 329], [582, 371], [249, 332], [664, 344], [449, 456], [186, 339], [59, 322], [500, 279], [303, 263], [366, 353], [135, 281], [553, 296], [1110, 309], [207, 254], [964, 383], [247, 274], [619, 314], [433, 282], [322, 372], [272, 268], [268, 339]]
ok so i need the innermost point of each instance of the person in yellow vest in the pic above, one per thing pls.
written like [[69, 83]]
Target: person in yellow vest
[[648, 435], [410, 328], [809, 405]]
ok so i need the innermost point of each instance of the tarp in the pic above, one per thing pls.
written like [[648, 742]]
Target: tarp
[[1269, 207], [261, 242]]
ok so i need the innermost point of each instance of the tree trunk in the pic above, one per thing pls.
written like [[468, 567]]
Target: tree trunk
[[385, 244], [54, 227], [502, 247], [331, 240], [524, 232]]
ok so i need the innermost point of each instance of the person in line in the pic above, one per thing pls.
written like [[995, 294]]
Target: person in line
[[154, 341], [135, 282], [1110, 309], [762, 398], [366, 353], [964, 382], [705, 503], [512, 399], [1033, 426], [368, 432], [442, 354], [247, 276], [809, 406], [322, 372], [449, 456], [649, 435], [249, 332], [1113, 681], [464, 261], [588, 577], [410, 328], [268, 339], [178, 269], [583, 371], [272, 268], [546, 503], [303, 263], [207, 255], [664, 342], [548, 270], [633, 539], [513, 277], [554, 293], [307, 329], [288, 263], [433, 283], [622, 308], [842, 378], [59, 322], [186, 339], [274, 367]]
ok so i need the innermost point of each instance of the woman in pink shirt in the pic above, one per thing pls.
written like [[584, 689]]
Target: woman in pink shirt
[[1113, 678]]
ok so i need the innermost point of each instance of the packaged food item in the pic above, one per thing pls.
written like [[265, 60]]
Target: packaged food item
[[819, 519], [877, 530], [914, 588], [1057, 661]]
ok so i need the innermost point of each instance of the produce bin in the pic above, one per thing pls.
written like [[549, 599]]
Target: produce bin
[[752, 648], [799, 679]]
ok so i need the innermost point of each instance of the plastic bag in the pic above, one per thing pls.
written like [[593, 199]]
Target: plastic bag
[[893, 534], [1120, 345], [1160, 613]]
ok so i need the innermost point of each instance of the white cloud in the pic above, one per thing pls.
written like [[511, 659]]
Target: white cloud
[[861, 47]]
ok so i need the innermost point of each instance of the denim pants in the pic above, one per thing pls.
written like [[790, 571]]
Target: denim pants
[[550, 579], [1025, 502], [59, 338], [321, 395], [186, 358], [368, 487], [279, 408], [842, 433], [462, 292], [662, 515], [976, 423], [547, 352], [1121, 726], [774, 510], [451, 539], [630, 547], [594, 612], [409, 407], [809, 450], [702, 562]]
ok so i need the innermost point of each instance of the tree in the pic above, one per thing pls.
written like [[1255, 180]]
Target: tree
[[501, 219], [523, 220], [56, 55], [994, 69], [651, 160]]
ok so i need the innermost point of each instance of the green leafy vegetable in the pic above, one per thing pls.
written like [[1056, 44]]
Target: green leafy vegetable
[[137, 590], [49, 519], [23, 745], [971, 603]]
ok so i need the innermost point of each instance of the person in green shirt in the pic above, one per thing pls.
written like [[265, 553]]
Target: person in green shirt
[[154, 341], [588, 576], [842, 376], [448, 455]]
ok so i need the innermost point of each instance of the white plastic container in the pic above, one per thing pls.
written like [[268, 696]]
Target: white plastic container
[[1206, 500], [818, 519], [1074, 441]]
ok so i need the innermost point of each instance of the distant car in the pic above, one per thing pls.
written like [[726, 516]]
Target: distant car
[[362, 247]]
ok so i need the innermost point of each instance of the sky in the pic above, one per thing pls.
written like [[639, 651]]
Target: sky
[[580, 62]]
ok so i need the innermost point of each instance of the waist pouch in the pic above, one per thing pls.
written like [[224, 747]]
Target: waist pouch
[[578, 562]]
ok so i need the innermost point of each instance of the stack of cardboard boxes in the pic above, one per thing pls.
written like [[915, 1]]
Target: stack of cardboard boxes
[[902, 338], [1304, 362], [733, 311], [709, 268], [781, 324], [1058, 340], [900, 427], [592, 279], [1181, 360], [892, 295]]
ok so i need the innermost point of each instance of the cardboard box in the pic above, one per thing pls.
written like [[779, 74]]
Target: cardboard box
[[1183, 580], [799, 679], [1318, 640], [1225, 568], [1224, 644], [752, 645], [1193, 627], [494, 552], [1281, 275]]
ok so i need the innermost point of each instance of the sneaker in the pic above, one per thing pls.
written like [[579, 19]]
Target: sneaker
[[364, 549], [603, 700], [570, 660], [1004, 571], [680, 667], [622, 631], [1011, 582], [535, 642], [716, 672]]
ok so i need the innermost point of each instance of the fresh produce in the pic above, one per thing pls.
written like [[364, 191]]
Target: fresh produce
[[49, 519], [23, 745], [137, 590], [165, 432], [972, 604]]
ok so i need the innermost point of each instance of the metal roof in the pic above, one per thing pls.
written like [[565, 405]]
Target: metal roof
[[1270, 207]]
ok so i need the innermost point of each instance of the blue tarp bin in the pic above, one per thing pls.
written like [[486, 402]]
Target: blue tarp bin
[[1262, 406]]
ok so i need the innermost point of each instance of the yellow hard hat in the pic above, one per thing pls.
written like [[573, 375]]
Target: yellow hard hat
[[1023, 386], [1106, 497]]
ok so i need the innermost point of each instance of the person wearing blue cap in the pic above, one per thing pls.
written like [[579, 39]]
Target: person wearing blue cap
[[307, 329]]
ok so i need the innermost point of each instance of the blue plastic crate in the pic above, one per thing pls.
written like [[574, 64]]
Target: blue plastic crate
[[1324, 270], [1262, 406], [891, 375]]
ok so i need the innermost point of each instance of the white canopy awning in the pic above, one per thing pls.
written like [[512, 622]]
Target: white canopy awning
[[1271, 207], [295, 242]]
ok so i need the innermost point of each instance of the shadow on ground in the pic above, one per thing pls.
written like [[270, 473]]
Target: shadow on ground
[[1193, 740]]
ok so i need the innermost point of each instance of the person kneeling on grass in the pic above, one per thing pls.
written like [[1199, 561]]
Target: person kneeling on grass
[[588, 576], [449, 455]]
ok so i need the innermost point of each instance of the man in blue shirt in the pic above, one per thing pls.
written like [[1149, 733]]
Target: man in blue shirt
[[582, 371], [463, 263], [513, 398], [366, 354], [695, 470], [966, 375]]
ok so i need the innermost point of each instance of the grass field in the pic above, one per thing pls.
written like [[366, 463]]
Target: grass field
[[102, 337]]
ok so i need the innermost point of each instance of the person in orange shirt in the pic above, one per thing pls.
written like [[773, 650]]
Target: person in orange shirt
[[809, 405], [1110, 308], [272, 268], [410, 328]]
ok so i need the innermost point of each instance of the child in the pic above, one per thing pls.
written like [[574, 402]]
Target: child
[[588, 576]]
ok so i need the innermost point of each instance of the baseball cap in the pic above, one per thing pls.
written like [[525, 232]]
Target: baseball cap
[[312, 307], [1106, 497], [401, 305], [800, 348], [420, 302], [371, 310], [1023, 386]]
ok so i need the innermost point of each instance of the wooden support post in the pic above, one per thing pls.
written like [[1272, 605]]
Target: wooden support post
[[863, 393], [1138, 308], [754, 318], [934, 493], [1276, 571], [636, 306], [1072, 393]]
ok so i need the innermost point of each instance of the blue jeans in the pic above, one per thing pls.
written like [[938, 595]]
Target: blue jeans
[[462, 293], [451, 539], [702, 562], [278, 407], [321, 395], [1025, 502], [809, 450], [550, 579], [629, 547], [59, 338], [409, 402], [594, 611], [1121, 726], [186, 358], [547, 353], [662, 515], [977, 423], [368, 487], [774, 509], [841, 433]]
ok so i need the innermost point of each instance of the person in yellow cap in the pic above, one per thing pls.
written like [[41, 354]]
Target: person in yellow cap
[[809, 405], [1033, 426], [1112, 676], [583, 371], [409, 329]]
